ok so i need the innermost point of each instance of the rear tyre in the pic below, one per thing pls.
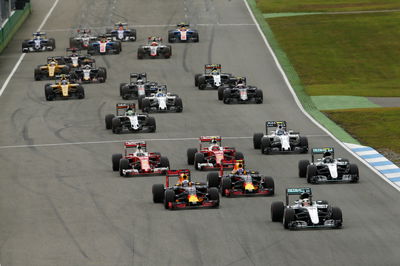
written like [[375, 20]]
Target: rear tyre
[[115, 161], [277, 210], [221, 93], [239, 155], [259, 96], [213, 179], [190, 155], [158, 193], [49, 93], [196, 79], [146, 105], [198, 158], [303, 164], [164, 162], [108, 120]]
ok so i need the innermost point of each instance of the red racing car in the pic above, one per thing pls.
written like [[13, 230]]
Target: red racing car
[[137, 161], [185, 194], [214, 156]]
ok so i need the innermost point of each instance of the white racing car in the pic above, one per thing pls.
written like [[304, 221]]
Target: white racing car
[[212, 77], [128, 120], [161, 101], [328, 169], [279, 140], [305, 213], [154, 49]]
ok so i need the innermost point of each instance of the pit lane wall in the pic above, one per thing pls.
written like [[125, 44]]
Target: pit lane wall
[[12, 24]]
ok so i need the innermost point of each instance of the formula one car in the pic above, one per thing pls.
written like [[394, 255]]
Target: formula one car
[[183, 34], [214, 156], [82, 39], [38, 43], [51, 70], [138, 86], [279, 140], [241, 182], [305, 213], [122, 33], [212, 78], [137, 161], [185, 193], [161, 101], [239, 92], [127, 119], [104, 45], [75, 59], [154, 49], [63, 88], [328, 169], [89, 73]]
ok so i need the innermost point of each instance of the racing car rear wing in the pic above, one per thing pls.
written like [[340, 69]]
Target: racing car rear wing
[[138, 75], [212, 66], [84, 30], [269, 124], [297, 191], [135, 144], [210, 138], [314, 151], [172, 173], [39, 33]]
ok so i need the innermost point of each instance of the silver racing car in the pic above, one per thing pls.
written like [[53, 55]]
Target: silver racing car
[[162, 101]]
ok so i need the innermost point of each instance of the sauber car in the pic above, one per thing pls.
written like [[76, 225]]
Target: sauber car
[[104, 45], [279, 140], [161, 101], [241, 182], [122, 33], [183, 33], [38, 43], [185, 193], [128, 120], [154, 49], [212, 78], [137, 87], [63, 88], [328, 169], [305, 212], [137, 161], [214, 156], [239, 92]]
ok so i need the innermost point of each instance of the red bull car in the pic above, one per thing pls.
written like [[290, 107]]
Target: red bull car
[[213, 156], [241, 182], [137, 161], [185, 193]]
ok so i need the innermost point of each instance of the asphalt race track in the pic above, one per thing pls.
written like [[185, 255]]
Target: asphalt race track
[[63, 204]]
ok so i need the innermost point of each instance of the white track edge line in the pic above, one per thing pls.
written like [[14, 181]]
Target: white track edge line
[[304, 111], [5, 84]]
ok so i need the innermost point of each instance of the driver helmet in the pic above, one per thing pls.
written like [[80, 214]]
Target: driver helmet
[[306, 202], [154, 44], [64, 82], [328, 159], [130, 113], [86, 67], [185, 183], [215, 148], [280, 132], [52, 63]]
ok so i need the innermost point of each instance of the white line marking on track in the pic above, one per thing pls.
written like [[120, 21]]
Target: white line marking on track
[[3, 88], [285, 78]]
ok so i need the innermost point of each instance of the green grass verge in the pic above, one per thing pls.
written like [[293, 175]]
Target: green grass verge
[[353, 54], [341, 102], [275, 6], [375, 127]]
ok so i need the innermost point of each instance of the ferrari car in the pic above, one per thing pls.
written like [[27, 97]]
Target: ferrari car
[[75, 59], [38, 43], [104, 45], [183, 33], [212, 78], [154, 49], [122, 33], [50, 70], [280, 140], [161, 101], [138, 86], [137, 161], [128, 120], [237, 91], [305, 212], [214, 156], [185, 193], [82, 39], [241, 182], [89, 73], [328, 169], [63, 88]]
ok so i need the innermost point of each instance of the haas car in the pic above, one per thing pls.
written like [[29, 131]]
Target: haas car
[[38, 43], [89, 73], [328, 169], [241, 182], [154, 49], [183, 33], [138, 86], [212, 78], [82, 39], [104, 45], [279, 140], [127, 120], [305, 212], [214, 156], [137, 161], [122, 33], [51, 70], [74, 58], [239, 92], [185, 193], [161, 101], [63, 88]]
